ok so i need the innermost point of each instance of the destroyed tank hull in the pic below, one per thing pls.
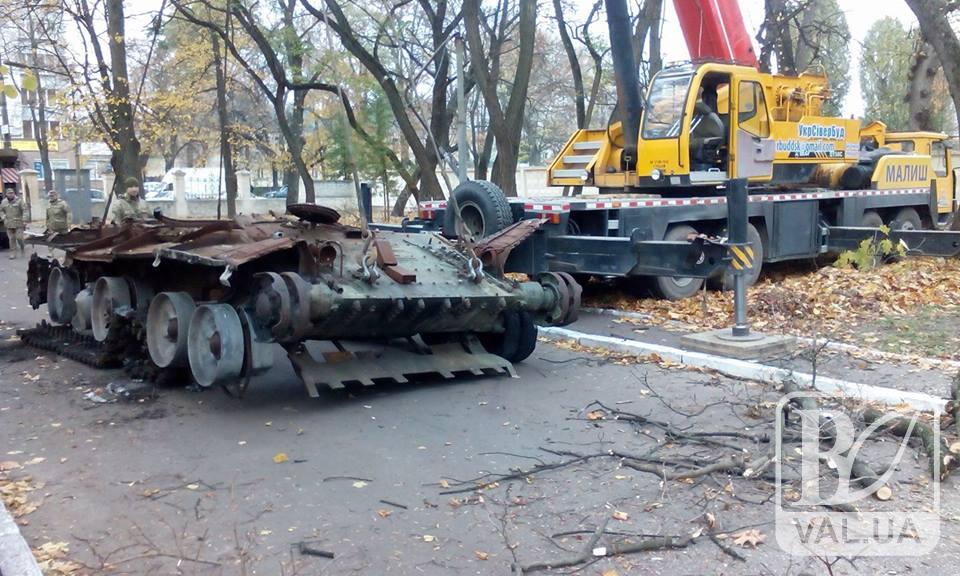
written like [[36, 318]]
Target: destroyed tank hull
[[215, 298]]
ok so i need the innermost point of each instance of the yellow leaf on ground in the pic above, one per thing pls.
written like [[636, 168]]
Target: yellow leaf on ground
[[622, 516], [481, 555], [280, 458], [750, 538]]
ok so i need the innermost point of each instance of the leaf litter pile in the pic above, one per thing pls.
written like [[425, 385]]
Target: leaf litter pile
[[829, 301], [17, 492]]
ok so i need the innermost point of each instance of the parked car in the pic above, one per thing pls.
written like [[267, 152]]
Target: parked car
[[280, 192], [158, 191], [162, 194], [95, 195]]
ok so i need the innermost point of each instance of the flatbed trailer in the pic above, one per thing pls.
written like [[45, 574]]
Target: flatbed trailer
[[623, 236]]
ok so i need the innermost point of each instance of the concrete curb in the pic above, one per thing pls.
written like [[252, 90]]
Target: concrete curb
[[16, 559], [751, 370], [830, 344]]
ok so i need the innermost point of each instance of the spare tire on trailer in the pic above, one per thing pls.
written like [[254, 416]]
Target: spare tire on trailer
[[483, 207]]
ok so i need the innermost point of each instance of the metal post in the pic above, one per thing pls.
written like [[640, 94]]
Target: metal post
[[737, 231], [366, 195]]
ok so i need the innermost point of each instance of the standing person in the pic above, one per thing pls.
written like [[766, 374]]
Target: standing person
[[130, 206], [59, 216], [12, 211]]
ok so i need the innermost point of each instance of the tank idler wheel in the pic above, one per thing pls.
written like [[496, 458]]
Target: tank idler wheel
[[168, 327], [111, 295], [215, 344], [62, 289], [575, 292], [561, 288]]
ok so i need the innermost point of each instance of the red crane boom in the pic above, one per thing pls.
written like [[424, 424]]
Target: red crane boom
[[714, 30]]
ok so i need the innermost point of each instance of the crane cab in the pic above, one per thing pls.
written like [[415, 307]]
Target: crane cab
[[705, 123]]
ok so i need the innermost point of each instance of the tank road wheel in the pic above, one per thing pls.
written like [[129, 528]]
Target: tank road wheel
[[906, 219], [82, 319], [504, 344], [62, 289], [527, 339], [518, 339], [110, 295], [756, 244], [215, 344], [871, 219], [675, 287], [483, 207], [168, 327]]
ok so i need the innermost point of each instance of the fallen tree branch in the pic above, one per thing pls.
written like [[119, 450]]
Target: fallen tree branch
[[901, 427], [585, 554], [731, 464]]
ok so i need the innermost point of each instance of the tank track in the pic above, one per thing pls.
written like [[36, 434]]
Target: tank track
[[64, 341], [121, 352]]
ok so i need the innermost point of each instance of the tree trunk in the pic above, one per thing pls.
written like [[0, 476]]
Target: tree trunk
[[40, 119], [922, 73], [226, 147], [506, 125], [576, 72], [126, 154], [935, 27]]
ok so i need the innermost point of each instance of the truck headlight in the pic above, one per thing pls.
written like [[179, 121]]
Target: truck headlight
[[656, 173]]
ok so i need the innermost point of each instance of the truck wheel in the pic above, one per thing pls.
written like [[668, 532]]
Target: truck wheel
[[483, 208], [906, 219], [677, 288], [756, 243], [871, 219]]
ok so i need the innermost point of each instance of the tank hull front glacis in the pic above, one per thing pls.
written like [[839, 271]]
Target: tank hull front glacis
[[215, 297]]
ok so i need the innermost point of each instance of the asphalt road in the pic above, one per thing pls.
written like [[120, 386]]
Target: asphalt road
[[184, 482]]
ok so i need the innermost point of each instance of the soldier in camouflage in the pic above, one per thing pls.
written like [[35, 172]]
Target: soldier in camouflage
[[12, 212], [59, 216], [130, 206]]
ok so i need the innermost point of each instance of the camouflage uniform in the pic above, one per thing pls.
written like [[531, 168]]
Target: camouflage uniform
[[12, 214], [129, 209], [59, 216]]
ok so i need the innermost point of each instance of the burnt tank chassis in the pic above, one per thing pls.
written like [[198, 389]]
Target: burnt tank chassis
[[214, 296]]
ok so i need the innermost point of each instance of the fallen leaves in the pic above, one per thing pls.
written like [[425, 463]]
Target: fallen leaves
[[280, 458], [384, 513], [481, 555], [53, 561], [826, 301], [622, 516], [750, 538]]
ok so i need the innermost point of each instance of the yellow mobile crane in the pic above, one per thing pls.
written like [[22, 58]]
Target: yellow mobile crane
[[816, 183]]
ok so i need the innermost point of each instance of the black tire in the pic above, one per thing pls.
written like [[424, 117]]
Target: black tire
[[527, 339], [677, 288], [906, 219], [504, 344], [483, 207], [871, 219], [518, 340], [725, 281]]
